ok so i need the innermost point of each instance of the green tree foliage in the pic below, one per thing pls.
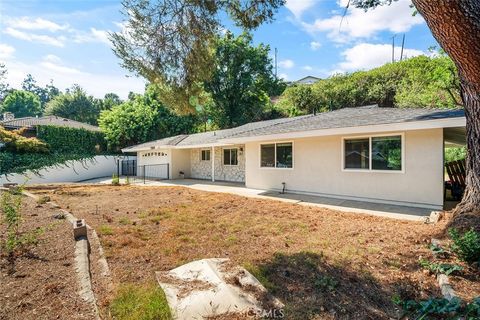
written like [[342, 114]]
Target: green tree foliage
[[14, 141], [4, 87], [168, 42], [143, 118], [21, 104], [242, 81], [74, 105], [44, 94], [427, 82]]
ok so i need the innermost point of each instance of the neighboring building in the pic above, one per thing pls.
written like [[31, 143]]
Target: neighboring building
[[307, 80], [31, 123], [385, 155]]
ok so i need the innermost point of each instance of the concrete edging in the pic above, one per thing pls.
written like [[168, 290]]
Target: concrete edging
[[82, 257]]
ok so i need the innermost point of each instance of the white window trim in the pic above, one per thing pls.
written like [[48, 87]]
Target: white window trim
[[201, 150], [223, 157], [275, 150], [370, 170]]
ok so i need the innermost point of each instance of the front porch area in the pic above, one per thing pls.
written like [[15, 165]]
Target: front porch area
[[361, 207]]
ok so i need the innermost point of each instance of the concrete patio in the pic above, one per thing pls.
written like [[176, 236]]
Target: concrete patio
[[362, 207]]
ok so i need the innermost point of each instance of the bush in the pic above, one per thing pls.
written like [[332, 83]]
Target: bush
[[115, 180], [466, 246], [11, 204], [140, 303]]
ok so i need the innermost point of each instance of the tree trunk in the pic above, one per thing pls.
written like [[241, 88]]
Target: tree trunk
[[455, 24]]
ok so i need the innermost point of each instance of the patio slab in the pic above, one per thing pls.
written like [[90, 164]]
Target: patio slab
[[355, 206]]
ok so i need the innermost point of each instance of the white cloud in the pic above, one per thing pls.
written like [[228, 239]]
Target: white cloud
[[27, 23], [314, 45], [55, 64], [307, 68], [39, 38], [367, 56], [52, 67], [286, 64], [357, 23], [283, 76], [6, 51], [94, 35], [298, 7]]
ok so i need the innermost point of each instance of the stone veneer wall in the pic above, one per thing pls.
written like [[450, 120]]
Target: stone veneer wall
[[203, 169]]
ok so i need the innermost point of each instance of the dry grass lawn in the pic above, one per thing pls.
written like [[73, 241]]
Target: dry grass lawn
[[321, 263]]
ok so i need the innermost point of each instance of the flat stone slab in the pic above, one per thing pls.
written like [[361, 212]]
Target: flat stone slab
[[211, 287]]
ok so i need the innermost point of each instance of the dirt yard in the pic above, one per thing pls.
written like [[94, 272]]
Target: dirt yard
[[321, 263], [40, 281]]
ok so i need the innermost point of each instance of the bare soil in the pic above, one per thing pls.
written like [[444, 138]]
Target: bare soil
[[40, 282], [321, 263]]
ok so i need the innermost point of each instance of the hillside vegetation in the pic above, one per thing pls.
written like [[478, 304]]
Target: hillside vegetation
[[428, 82]]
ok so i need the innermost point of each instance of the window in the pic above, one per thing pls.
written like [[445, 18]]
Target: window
[[357, 154], [230, 157], [373, 153], [387, 153], [276, 155], [205, 155]]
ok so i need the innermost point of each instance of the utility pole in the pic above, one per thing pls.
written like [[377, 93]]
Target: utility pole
[[276, 51], [403, 44], [393, 49]]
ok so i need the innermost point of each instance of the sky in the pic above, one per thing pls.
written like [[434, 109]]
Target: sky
[[67, 41]]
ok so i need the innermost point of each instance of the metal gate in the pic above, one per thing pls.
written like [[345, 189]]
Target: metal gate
[[154, 172], [129, 168]]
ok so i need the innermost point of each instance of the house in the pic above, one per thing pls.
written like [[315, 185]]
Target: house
[[9, 122], [306, 80], [384, 155]]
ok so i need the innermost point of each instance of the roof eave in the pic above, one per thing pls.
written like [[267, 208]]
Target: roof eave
[[398, 126]]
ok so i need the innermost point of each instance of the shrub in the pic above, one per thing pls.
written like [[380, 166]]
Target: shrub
[[140, 302], [439, 308], [11, 204], [437, 268], [105, 230], [466, 246], [115, 180]]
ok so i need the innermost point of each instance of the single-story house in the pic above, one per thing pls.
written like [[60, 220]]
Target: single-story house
[[9, 122], [384, 155], [307, 80]]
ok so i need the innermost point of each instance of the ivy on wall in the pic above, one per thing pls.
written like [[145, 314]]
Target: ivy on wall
[[65, 144]]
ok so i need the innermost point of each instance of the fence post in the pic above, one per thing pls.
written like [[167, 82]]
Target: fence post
[[168, 171], [143, 174], [118, 168]]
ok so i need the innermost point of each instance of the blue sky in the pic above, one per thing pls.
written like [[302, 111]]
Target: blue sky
[[66, 40]]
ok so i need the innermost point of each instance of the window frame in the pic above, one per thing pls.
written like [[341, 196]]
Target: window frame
[[209, 156], [223, 157], [370, 169], [275, 155]]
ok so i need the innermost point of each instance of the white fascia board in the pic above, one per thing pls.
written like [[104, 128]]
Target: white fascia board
[[400, 126], [193, 146]]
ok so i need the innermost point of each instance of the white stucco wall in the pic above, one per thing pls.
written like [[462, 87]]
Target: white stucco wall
[[318, 169], [100, 166], [153, 157], [202, 169]]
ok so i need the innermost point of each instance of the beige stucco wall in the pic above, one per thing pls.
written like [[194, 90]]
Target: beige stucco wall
[[318, 169], [180, 162], [203, 169]]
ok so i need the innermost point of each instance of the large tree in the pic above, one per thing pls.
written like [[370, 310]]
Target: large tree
[[75, 104], [242, 81], [455, 24], [142, 118], [169, 42], [21, 103]]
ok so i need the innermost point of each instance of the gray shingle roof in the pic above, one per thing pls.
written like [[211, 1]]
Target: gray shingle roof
[[342, 118], [355, 117], [210, 137], [31, 122]]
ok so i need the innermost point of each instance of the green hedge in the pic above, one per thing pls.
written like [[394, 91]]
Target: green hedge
[[71, 140], [65, 144]]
